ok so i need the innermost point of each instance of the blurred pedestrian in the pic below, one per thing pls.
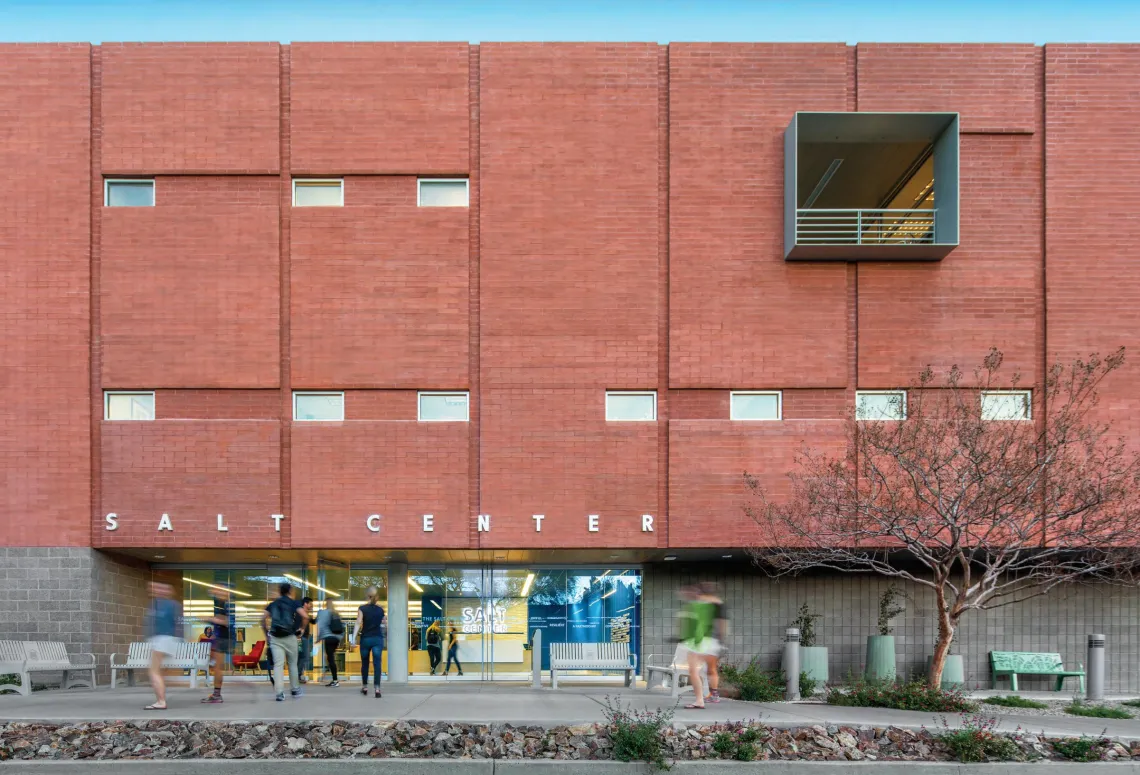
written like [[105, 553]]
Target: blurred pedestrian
[[220, 640], [162, 634], [705, 628], [371, 627], [305, 655], [283, 618], [435, 645], [330, 632], [452, 650]]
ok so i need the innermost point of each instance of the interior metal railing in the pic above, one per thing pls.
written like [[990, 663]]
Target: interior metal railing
[[865, 227]]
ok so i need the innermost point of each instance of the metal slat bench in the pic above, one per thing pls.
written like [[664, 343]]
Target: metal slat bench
[[1013, 663], [190, 656], [591, 656], [675, 672], [26, 657]]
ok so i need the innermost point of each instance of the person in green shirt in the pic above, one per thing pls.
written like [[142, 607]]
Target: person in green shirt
[[704, 626]]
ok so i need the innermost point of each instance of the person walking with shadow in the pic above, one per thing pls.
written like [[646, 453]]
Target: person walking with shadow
[[220, 641], [162, 632], [371, 627], [452, 650], [283, 618], [330, 632]]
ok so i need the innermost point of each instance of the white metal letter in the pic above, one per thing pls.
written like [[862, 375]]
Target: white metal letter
[[484, 523], [538, 522], [277, 521], [164, 523], [112, 521], [429, 523], [646, 523], [373, 523], [222, 525], [593, 523]]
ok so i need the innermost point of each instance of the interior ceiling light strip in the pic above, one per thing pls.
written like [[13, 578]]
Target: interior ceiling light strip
[[217, 586]]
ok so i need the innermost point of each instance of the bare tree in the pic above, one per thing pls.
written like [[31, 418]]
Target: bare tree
[[987, 502]]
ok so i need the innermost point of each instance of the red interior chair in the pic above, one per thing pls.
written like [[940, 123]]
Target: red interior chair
[[249, 661]]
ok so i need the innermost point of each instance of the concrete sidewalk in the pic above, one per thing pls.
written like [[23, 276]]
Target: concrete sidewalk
[[514, 704]]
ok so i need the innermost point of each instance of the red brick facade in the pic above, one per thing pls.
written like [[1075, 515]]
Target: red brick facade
[[625, 232]]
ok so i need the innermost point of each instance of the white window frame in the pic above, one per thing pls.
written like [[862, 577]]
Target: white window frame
[[652, 393], [860, 393], [339, 181], [1028, 404], [419, 404], [107, 190], [420, 185], [297, 393], [779, 394], [107, 403]]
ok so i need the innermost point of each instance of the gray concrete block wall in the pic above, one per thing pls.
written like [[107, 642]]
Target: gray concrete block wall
[[85, 599], [761, 609]]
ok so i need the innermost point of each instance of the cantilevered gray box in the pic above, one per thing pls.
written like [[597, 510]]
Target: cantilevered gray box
[[870, 186]]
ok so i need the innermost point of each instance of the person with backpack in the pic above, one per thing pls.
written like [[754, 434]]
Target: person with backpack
[[435, 645], [283, 618], [330, 632]]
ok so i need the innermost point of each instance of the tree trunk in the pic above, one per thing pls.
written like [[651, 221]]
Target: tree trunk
[[946, 628]]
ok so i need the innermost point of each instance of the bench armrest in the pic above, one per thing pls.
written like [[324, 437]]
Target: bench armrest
[[86, 659]]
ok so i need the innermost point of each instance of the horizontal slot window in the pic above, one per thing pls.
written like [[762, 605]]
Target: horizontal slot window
[[318, 193], [631, 406], [128, 193], [756, 405], [1006, 405], [318, 407], [880, 405], [127, 405], [444, 407], [438, 192]]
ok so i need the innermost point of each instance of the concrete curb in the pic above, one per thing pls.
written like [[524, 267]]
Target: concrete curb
[[541, 766]]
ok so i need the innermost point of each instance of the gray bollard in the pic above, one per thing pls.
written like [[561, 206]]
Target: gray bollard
[[792, 663], [536, 659], [1095, 668]]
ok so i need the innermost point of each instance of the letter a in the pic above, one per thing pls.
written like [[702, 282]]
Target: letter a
[[164, 523]]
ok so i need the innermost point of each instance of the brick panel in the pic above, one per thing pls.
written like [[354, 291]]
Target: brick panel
[[991, 85], [217, 404], [707, 462], [192, 470], [189, 292], [45, 457], [551, 452], [986, 293], [379, 107], [381, 405], [190, 107], [569, 222], [343, 472], [379, 297], [1093, 290], [739, 314]]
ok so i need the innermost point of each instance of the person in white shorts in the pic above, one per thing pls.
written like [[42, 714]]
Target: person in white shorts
[[706, 626], [162, 628]]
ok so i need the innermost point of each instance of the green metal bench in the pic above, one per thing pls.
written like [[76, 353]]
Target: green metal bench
[[1013, 663]]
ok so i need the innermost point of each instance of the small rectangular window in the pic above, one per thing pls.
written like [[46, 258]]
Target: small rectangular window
[[128, 193], [318, 193], [631, 406], [880, 405], [1006, 405], [123, 405], [318, 407], [755, 405], [444, 407], [438, 192]]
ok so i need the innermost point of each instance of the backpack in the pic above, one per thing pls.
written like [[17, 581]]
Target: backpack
[[336, 624], [283, 618], [433, 638]]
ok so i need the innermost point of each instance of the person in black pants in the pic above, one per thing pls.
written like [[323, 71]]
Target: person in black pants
[[452, 650], [371, 627], [434, 645]]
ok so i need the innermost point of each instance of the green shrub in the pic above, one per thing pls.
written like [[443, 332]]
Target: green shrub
[[1084, 749], [1131, 703], [912, 695], [805, 623], [739, 744], [638, 735], [1078, 708], [755, 684], [1013, 701], [976, 741], [807, 685], [890, 607]]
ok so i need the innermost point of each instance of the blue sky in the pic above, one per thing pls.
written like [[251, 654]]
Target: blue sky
[[669, 20]]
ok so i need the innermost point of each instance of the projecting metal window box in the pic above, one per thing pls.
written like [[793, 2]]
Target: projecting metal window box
[[871, 186], [631, 406], [880, 405], [444, 407], [128, 405], [1007, 405], [443, 192], [318, 407], [756, 405], [128, 192], [311, 192]]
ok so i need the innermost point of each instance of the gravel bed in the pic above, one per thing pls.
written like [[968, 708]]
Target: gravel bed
[[1056, 708]]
